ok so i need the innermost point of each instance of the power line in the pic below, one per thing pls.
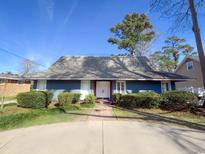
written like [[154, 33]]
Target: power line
[[21, 57]]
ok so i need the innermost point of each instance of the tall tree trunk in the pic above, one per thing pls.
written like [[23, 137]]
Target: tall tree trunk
[[198, 38]]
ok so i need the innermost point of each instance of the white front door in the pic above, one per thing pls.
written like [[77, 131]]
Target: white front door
[[103, 89]]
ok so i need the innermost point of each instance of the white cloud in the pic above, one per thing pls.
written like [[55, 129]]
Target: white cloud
[[70, 12], [48, 7]]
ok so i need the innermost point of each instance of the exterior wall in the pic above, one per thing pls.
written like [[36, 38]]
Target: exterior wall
[[173, 85], [35, 84], [58, 86], [67, 85], [195, 73], [113, 86], [12, 89], [136, 86]]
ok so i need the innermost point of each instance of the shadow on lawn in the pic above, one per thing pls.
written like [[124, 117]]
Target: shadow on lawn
[[144, 116]]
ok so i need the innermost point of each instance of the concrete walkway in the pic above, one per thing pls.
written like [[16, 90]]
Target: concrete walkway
[[101, 112], [103, 137]]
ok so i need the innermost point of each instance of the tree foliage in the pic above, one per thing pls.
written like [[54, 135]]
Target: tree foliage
[[168, 58], [178, 11], [182, 12], [132, 32]]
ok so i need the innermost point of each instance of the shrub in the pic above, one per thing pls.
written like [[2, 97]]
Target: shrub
[[76, 97], [147, 100], [65, 98], [140, 100], [128, 101], [48, 95], [90, 99], [116, 97], [178, 100], [33, 99]]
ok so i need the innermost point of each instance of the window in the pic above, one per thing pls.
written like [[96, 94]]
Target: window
[[41, 84], [120, 87], [85, 89], [166, 86], [189, 65]]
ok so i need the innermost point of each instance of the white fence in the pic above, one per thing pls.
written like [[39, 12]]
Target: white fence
[[200, 92]]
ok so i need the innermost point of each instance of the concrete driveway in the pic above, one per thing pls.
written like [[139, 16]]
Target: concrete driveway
[[103, 137]]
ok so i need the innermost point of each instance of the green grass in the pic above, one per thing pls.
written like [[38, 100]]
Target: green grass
[[123, 114], [12, 108], [9, 98], [16, 117], [138, 115], [84, 105], [186, 116]]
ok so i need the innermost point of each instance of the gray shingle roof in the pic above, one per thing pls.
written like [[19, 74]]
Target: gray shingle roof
[[113, 67], [10, 76]]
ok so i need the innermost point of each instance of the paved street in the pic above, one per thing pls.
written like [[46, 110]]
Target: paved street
[[102, 137]]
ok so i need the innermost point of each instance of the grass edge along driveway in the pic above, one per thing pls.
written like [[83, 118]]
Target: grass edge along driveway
[[12, 117], [163, 117]]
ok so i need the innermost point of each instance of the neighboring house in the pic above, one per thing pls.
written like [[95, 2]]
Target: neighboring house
[[104, 76], [12, 84], [191, 68]]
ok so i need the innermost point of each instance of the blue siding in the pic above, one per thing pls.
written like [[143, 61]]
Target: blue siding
[[67, 85], [92, 85], [35, 84], [173, 85], [135, 86], [113, 86]]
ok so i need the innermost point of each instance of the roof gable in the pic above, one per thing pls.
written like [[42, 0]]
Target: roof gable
[[186, 59]]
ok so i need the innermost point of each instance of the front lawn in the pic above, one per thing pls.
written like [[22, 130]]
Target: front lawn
[[160, 116], [12, 108], [186, 116], [12, 116]]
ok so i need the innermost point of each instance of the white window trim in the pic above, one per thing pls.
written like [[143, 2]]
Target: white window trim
[[85, 88], [169, 85], [122, 92], [38, 87], [187, 65]]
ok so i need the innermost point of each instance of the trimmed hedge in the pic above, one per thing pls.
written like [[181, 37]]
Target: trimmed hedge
[[140, 100], [147, 100], [90, 99], [34, 99], [49, 96], [178, 100], [65, 98], [128, 101], [116, 97], [68, 98]]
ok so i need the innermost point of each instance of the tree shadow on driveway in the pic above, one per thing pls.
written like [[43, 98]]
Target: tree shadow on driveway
[[191, 141], [145, 117]]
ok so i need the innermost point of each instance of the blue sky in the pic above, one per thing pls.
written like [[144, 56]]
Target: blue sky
[[44, 30]]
